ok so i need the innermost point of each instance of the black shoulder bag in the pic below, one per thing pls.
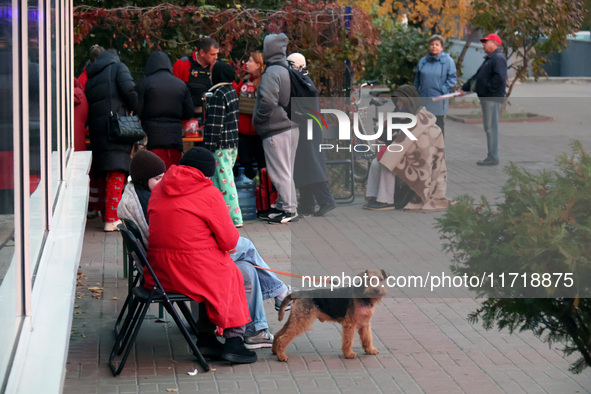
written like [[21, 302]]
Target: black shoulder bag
[[126, 129]]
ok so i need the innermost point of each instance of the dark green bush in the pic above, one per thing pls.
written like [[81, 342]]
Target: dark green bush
[[398, 54], [542, 227]]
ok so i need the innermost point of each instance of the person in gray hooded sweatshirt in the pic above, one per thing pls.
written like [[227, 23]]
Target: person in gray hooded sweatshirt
[[279, 133]]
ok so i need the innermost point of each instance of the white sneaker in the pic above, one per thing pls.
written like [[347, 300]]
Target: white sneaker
[[112, 226], [284, 218], [279, 300], [261, 339]]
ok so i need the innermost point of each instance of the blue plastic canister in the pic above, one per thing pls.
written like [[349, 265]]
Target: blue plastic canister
[[246, 195]]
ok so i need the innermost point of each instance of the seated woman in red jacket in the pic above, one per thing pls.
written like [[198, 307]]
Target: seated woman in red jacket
[[146, 170], [191, 234]]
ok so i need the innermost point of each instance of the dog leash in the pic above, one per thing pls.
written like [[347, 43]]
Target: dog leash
[[281, 272]]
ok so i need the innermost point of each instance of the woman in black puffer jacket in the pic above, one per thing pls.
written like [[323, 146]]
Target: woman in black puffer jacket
[[110, 89], [163, 102]]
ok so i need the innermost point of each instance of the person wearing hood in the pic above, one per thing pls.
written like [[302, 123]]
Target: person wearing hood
[[413, 174], [436, 76], [280, 135], [310, 168], [195, 71], [220, 135], [110, 89], [190, 239], [146, 171], [163, 102]]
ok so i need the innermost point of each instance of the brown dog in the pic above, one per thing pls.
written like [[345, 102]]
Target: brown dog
[[353, 307]]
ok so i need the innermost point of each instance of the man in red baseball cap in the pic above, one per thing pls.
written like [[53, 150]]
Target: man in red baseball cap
[[489, 83], [492, 37]]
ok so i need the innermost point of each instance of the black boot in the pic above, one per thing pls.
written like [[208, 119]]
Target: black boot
[[325, 208], [235, 352], [209, 346]]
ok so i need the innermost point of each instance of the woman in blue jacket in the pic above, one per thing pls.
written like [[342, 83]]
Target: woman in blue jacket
[[435, 76]]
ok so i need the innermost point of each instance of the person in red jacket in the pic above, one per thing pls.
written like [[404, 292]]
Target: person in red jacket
[[250, 144], [80, 116], [196, 71], [191, 235]]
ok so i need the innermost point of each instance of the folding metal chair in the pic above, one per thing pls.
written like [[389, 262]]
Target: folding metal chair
[[346, 164], [138, 303], [129, 267], [132, 276], [135, 230]]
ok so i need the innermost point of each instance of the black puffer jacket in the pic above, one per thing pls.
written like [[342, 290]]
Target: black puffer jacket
[[110, 87], [163, 101], [310, 166], [490, 80]]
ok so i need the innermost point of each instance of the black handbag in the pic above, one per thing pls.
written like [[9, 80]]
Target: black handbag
[[124, 129]]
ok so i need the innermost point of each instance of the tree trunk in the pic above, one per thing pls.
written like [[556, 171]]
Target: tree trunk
[[511, 85], [469, 40], [520, 73]]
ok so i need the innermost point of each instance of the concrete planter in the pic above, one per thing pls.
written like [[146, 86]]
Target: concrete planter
[[476, 119]]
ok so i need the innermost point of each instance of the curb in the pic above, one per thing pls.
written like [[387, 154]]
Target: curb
[[556, 80], [531, 118]]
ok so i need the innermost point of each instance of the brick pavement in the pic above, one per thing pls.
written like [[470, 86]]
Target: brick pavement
[[425, 341]]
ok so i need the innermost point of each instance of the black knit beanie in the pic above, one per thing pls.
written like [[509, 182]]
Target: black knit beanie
[[201, 159], [409, 96], [222, 72], [145, 165]]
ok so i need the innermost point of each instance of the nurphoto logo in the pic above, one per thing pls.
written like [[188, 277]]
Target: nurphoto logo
[[363, 142]]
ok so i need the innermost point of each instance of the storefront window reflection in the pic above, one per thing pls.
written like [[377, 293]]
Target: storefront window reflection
[[37, 188], [10, 308], [6, 142]]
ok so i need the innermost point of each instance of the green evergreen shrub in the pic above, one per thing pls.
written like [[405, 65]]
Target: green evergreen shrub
[[542, 227]]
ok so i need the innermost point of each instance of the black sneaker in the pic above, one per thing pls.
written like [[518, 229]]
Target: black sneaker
[[380, 206], [325, 208], [305, 212], [487, 162], [271, 213], [235, 352], [284, 218], [92, 214], [370, 201], [209, 346]]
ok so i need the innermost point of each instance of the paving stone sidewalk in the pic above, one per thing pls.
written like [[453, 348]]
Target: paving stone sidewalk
[[426, 343]]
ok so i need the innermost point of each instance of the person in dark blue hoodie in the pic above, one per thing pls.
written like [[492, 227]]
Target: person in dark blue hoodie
[[163, 102], [490, 82]]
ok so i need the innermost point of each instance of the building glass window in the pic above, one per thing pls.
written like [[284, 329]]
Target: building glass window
[[56, 107], [36, 180], [6, 142], [10, 307], [38, 215]]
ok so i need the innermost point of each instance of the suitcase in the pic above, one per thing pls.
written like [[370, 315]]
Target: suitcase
[[266, 194]]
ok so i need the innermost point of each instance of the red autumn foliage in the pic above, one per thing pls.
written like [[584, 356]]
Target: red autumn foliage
[[316, 29]]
